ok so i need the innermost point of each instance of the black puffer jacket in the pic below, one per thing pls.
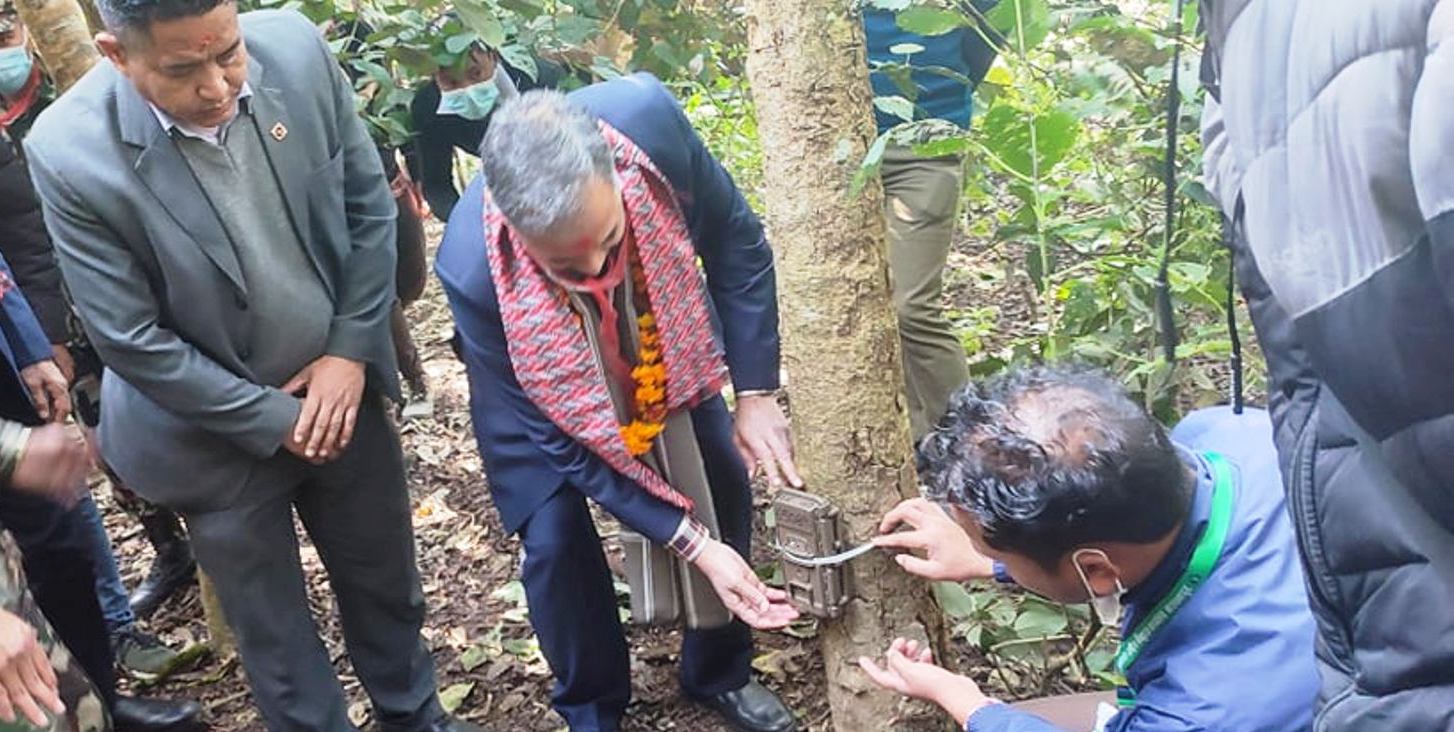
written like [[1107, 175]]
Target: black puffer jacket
[[1334, 153], [26, 246]]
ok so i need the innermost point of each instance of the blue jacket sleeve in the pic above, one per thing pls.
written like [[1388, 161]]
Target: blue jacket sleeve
[[22, 330], [736, 257], [527, 457], [1005, 718]]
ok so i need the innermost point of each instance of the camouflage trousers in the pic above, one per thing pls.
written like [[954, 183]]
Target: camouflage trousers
[[85, 712]]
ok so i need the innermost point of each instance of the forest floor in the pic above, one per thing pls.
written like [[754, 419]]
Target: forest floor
[[487, 658]]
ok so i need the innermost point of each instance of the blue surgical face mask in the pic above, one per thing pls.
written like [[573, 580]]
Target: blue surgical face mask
[[15, 68], [474, 102]]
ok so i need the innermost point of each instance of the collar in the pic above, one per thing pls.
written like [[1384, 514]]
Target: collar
[[214, 135], [1141, 598]]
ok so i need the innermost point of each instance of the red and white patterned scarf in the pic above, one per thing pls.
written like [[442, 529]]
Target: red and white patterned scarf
[[549, 350]]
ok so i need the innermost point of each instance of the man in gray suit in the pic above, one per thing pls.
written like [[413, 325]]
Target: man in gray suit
[[223, 223]]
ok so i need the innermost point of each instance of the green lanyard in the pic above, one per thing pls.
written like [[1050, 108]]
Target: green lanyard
[[1203, 559]]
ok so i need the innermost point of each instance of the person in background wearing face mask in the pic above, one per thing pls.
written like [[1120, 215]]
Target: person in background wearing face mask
[[453, 111], [1055, 480], [24, 89]]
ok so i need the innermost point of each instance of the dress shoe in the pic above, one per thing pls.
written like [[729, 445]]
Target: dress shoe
[[753, 708], [134, 714], [173, 568]]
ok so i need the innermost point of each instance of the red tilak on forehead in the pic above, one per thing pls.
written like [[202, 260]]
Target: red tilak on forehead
[[584, 245], [207, 40]]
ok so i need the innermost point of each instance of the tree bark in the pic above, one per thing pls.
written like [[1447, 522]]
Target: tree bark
[[62, 37], [93, 16], [809, 75]]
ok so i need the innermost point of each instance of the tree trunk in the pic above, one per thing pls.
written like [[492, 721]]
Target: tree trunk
[[93, 16], [809, 78], [62, 37]]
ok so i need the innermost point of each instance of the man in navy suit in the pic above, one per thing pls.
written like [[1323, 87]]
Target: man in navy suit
[[592, 211]]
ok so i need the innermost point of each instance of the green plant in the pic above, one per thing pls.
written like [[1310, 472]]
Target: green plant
[[393, 46], [1067, 153], [1032, 647]]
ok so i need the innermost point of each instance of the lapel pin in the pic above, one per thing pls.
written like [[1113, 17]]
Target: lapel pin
[[279, 132]]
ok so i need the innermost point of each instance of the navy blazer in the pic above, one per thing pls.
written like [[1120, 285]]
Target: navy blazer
[[527, 458]]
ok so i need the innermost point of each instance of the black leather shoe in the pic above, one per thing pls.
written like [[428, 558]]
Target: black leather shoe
[[133, 714], [171, 570], [753, 708]]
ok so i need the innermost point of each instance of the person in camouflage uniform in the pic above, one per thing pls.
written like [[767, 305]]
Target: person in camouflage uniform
[[84, 709]]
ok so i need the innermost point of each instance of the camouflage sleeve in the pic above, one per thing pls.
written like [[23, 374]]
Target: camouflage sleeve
[[85, 711]]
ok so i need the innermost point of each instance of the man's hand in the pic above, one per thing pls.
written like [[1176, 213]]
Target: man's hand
[[28, 684], [300, 450], [741, 590], [762, 436], [49, 390], [64, 362], [55, 464], [909, 670], [325, 425], [948, 552]]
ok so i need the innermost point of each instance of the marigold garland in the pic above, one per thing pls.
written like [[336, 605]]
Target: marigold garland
[[649, 412]]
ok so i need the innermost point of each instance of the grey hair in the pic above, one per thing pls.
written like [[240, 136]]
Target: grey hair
[[539, 153]]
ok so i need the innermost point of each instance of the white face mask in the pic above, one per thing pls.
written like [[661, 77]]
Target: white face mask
[[1107, 608]]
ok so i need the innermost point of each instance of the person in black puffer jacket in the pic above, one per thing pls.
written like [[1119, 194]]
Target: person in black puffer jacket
[[1329, 148]]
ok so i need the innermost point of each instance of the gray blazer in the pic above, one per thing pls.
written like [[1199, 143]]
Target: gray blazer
[[157, 283]]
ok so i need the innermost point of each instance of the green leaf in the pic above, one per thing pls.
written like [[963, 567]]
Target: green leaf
[[895, 106], [374, 71], [512, 592], [1039, 620], [956, 601], [523, 648], [478, 17], [942, 148], [451, 697], [870, 165], [1006, 132], [1014, 18], [1036, 267], [902, 75], [475, 657], [927, 21], [460, 43], [521, 58]]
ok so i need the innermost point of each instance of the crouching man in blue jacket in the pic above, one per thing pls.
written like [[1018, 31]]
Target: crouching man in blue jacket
[[1055, 480]]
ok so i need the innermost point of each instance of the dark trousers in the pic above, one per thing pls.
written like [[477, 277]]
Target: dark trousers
[[356, 510], [59, 566], [573, 609]]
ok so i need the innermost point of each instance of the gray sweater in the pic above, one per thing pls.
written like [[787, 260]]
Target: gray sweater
[[290, 309]]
